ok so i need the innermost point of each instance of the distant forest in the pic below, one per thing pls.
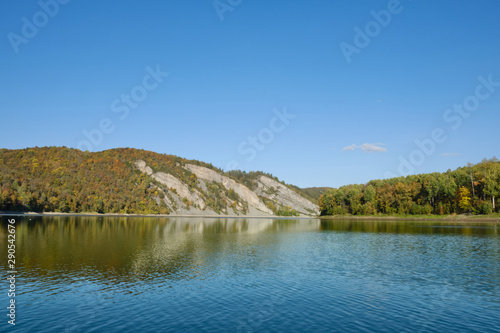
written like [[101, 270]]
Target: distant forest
[[469, 189]]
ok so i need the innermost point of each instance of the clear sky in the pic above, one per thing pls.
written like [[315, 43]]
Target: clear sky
[[354, 83]]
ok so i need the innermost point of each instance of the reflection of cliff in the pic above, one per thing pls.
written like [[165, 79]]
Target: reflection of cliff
[[217, 239], [130, 249], [142, 247], [239, 225]]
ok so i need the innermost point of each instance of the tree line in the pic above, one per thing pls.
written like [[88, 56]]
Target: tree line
[[469, 189]]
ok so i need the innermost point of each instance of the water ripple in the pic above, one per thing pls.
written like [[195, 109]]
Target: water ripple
[[213, 275]]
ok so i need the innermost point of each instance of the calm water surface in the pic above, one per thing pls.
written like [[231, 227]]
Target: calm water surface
[[91, 274]]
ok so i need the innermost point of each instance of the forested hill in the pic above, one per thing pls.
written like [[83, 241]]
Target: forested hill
[[469, 189], [55, 179]]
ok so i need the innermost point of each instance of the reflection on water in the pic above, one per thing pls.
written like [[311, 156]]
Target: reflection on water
[[142, 247], [107, 274]]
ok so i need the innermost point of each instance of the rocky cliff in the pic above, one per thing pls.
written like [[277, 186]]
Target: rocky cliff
[[212, 193]]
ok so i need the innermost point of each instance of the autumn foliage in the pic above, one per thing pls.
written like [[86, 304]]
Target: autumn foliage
[[53, 179], [474, 188]]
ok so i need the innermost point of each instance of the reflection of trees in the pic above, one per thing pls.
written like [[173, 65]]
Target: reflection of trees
[[139, 248], [409, 227]]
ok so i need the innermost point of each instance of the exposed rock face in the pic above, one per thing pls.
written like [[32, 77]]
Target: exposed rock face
[[172, 183], [181, 188], [276, 191], [143, 167], [244, 192], [175, 191]]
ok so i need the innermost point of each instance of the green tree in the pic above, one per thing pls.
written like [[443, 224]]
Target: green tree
[[369, 194], [492, 181]]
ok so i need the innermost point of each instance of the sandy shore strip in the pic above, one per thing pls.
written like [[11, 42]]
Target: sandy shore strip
[[456, 218], [154, 215]]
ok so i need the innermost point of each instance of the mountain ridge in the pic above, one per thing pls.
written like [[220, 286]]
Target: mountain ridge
[[136, 181]]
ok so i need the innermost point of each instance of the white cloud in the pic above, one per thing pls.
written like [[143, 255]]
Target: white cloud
[[368, 147], [373, 147], [351, 147], [450, 154]]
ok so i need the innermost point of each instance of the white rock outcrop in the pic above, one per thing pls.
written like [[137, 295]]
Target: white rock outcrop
[[266, 187], [143, 167], [244, 192], [274, 190], [171, 182]]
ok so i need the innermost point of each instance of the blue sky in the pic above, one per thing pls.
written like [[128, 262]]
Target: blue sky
[[353, 116]]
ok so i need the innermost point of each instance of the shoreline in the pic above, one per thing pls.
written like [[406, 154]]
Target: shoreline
[[457, 218], [153, 215], [448, 218]]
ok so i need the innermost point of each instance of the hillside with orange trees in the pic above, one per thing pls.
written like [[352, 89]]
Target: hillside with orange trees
[[55, 179]]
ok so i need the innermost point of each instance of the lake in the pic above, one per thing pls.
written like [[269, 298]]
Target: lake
[[139, 274]]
